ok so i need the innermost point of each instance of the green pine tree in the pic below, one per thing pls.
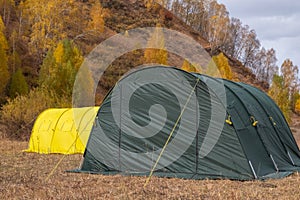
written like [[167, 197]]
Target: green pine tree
[[4, 73], [18, 85], [59, 68]]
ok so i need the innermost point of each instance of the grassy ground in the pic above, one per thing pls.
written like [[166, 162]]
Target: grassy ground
[[23, 176]]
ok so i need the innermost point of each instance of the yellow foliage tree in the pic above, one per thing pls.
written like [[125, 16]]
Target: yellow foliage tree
[[156, 53], [3, 40], [279, 93], [97, 14], [48, 21], [187, 66], [15, 61], [224, 68], [7, 8], [148, 3], [290, 77], [4, 73], [297, 106], [59, 52]]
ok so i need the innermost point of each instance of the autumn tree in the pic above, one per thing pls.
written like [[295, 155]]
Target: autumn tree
[[149, 3], [297, 106], [224, 68], [290, 77], [4, 78], [14, 57], [187, 66], [208, 17], [265, 65], [289, 73], [18, 85], [97, 15], [185, 9], [193, 13], [198, 18], [48, 22], [212, 20], [7, 8], [270, 64], [279, 93], [156, 53], [165, 3], [251, 47], [59, 68], [236, 38], [3, 40], [218, 18]]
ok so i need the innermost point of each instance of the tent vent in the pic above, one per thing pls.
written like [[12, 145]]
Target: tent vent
[[275, 165], [255, 176], [291, 158]]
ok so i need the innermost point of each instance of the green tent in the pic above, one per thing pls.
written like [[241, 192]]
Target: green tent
[[189, 126]]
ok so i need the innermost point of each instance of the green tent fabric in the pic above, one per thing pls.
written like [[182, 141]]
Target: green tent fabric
[[215, 128]]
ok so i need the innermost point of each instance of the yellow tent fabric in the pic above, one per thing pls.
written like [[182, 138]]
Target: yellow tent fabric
[[64, 130]]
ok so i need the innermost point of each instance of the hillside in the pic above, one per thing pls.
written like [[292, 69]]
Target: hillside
[[128, 15], [27, 52], [118, 15]]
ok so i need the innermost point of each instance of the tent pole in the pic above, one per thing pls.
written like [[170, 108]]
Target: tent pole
[[275, 165], [253, 171], [291, 157]]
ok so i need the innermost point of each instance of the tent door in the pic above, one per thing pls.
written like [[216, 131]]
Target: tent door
[[253, 147]]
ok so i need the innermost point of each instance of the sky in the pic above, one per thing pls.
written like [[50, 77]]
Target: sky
[[277, 24]]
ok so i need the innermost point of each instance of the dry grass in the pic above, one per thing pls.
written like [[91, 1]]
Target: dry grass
[[22, 176]]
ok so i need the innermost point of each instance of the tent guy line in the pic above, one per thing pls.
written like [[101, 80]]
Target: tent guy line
[[170, 135]]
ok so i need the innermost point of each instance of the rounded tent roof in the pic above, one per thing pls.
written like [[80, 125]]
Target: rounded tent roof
[[62, 130]]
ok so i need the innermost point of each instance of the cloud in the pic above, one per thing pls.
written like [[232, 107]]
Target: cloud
[[285, 48], [270, 19], [250, 8], [275, 27]]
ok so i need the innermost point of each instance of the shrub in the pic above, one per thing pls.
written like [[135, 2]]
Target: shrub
[[19, 114]]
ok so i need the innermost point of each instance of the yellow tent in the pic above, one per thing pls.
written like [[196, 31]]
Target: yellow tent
[[63, 130]]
